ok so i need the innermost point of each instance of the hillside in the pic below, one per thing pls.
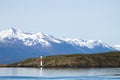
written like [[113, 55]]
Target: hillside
[[110, 59]]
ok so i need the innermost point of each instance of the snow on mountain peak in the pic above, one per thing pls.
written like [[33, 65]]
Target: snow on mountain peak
[[10, 31], [28, 39], [117, 47], [31, 39], [86, 43], [13, 30], [7, 33]]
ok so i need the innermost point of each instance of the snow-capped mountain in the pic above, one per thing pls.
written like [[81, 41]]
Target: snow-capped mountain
[[16, 45], [28, 39], [117, 47], [86, 43]]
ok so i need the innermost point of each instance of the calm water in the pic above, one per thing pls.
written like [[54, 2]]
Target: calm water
[[59, 74]]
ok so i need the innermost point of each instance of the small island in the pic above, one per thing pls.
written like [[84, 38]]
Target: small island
[[99, 60]]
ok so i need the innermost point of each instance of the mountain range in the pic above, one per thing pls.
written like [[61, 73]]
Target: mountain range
[[16, 45]]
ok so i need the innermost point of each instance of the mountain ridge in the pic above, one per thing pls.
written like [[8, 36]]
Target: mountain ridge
[[15, 33], [16, 45]]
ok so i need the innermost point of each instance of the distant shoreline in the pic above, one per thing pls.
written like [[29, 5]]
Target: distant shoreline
[[103, 60]]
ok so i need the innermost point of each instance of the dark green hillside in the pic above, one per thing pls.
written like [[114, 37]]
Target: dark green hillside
[[110, 59]]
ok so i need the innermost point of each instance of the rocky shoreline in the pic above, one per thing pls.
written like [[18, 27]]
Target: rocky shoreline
[[101, 60]]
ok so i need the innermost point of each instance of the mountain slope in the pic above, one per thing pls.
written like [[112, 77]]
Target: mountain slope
[[16, 45]]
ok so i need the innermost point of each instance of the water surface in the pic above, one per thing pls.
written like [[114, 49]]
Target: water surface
[[60, 74]]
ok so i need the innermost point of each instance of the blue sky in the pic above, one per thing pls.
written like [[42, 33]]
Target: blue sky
[[86, 19]]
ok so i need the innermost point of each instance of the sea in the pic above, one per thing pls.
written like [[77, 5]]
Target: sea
[[59, 73]]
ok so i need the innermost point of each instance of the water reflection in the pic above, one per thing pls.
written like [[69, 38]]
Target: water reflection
[[43, 72]]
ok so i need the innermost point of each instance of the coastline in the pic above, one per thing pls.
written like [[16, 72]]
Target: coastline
[[101, 60]]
